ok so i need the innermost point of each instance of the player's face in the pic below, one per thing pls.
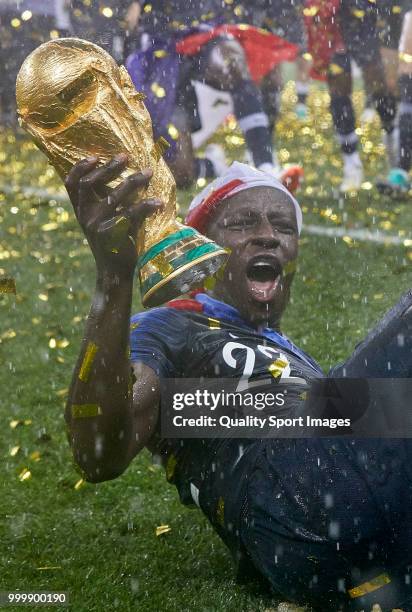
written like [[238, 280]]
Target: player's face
[[259, 226]]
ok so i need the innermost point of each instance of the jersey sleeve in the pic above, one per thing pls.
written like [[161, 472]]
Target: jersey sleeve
[[158, 338]]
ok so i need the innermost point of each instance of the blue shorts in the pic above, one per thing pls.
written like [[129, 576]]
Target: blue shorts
[[319, 519]]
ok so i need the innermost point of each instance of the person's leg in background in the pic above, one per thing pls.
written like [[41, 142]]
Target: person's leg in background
[[303, 65], [398, 183], [390, 65], [379, 65], [389, 26], [359, 24], [384, 100], [186, 166], [343, 115], [227, 70], [405, 90], [271, 88]]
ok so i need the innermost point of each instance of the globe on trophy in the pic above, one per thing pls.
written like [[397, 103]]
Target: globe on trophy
[[75, 101]]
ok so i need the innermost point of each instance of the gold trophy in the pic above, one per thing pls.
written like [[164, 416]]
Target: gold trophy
[[75, 101]]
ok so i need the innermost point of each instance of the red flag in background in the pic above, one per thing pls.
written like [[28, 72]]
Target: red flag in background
[[263, 50]]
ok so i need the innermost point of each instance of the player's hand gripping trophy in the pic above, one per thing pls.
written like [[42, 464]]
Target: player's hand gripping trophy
[[77, 103]]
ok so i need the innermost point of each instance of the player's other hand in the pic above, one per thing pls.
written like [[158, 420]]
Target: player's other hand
[[110, 218]]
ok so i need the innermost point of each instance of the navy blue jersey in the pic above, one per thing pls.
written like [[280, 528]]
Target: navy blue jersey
[[192, 344]]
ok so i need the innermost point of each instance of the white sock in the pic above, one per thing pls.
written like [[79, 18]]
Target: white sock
[[352, 159], [302, 88]]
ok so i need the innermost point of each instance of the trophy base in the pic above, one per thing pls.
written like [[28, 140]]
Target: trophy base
[[180, 281], [177, 263]]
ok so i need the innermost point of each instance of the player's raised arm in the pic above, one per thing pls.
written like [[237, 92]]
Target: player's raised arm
[[105, 430]]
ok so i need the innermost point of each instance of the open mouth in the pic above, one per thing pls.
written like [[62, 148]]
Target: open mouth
[[263, 276]]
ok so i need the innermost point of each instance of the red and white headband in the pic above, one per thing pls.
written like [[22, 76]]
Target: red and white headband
[[237, 178]]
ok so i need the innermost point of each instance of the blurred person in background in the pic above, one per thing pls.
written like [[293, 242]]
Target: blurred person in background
[[285, 19], [397, 183], [389, 25], [182, 41], [340, 31]]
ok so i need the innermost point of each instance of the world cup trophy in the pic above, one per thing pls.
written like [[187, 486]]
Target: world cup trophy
[[75, 101]]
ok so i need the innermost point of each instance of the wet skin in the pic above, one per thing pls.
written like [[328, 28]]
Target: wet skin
[[259, 226]]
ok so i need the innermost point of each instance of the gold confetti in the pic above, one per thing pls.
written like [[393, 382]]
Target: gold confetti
[[35, 456], [49, 227], [7, 285], [82, 411], [405, 57], [25, 474], [162, 529], [201, 182], [213, 323], [311, 11], [170, 467], [173, 131], [87, 363], [49, 567], [158, 90], [14, 451], [9, 334], [276, 368], [18, 422], [335, 69], [370, 586], [220, 511], [79, 484], [62, 392], [358, 13], [107, 12]]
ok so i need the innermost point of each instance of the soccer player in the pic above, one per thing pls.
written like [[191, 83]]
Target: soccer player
[[339, 31], [164, 69], [398, 182], [325, 521]]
